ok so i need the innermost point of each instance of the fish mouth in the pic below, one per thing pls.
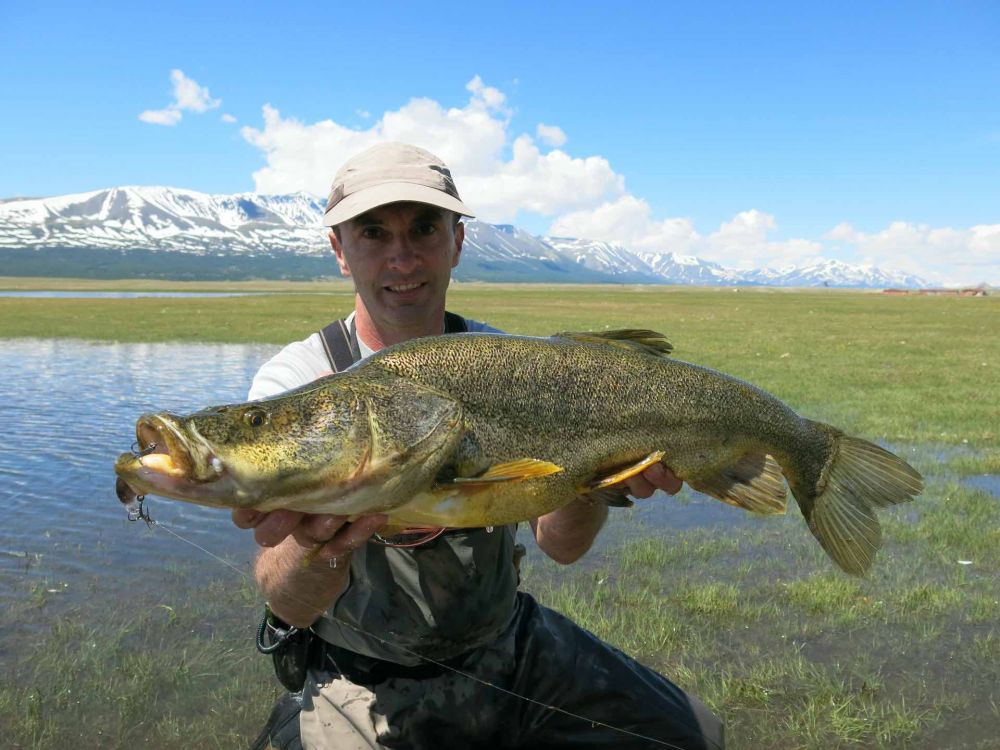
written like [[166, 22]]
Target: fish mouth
[[169, 461]]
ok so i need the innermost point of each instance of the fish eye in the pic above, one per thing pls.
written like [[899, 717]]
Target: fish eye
[[255, 417]]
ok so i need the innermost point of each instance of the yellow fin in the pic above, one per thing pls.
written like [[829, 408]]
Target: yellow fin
[[754, 483], [622, 474], [634, 339], [861, 476], [511, 471]]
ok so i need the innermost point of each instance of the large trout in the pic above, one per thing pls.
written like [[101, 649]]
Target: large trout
[[488, 429]]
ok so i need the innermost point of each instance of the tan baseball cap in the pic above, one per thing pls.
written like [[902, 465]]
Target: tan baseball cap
[[389, 173]]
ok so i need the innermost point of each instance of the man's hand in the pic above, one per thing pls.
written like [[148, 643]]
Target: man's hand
[[567, 533], [656, 477], [305, 561], [338, 537]]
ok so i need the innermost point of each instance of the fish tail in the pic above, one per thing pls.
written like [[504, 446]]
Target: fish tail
[[838, 503]]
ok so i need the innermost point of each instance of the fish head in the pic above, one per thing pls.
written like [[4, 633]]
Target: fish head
[[246, 455], [338, 445]]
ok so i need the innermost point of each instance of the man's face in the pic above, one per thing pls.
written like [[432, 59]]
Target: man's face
[[400, 257]]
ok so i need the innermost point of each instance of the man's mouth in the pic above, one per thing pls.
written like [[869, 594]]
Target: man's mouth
[[403, 288]]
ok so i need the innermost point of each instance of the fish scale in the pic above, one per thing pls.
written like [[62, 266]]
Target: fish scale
[[485, 429]]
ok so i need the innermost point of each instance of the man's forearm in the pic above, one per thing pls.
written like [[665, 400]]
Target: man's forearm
[[566, 534], [299, 592]]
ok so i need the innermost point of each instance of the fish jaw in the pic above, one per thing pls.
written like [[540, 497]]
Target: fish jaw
[[176, 464]]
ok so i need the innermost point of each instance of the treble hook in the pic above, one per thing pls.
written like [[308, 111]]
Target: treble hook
[[138, 512], [144, 452], [133, 502]]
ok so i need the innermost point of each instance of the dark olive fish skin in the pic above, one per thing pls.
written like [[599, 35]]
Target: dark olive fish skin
[[487, 429]]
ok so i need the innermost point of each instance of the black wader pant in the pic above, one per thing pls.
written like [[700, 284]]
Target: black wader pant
[[542, 656]]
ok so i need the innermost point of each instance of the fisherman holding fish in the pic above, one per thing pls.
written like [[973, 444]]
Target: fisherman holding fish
[[422, 640]]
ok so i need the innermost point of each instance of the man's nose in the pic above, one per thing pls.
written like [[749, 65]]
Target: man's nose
[[402, 255]]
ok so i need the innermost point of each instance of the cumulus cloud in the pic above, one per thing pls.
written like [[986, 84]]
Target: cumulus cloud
[[189, 96], [161, 116], [943, 254], [628, 221], [498, 176], [228, 118], [553, 135], [506, 176], [741, 242]]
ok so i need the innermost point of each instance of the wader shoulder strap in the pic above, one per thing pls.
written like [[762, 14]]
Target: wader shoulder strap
[[341, 341], [454, 323], [341, 345]]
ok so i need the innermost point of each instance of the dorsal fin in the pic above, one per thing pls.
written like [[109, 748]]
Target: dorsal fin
[[633, 339]]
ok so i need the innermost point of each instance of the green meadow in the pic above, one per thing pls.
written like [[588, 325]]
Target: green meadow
[[752, 617]]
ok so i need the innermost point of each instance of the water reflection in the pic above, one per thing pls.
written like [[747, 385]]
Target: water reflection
[[122, 295], [69, 409]]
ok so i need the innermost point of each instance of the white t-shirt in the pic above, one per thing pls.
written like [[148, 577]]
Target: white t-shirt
[[304, 361]]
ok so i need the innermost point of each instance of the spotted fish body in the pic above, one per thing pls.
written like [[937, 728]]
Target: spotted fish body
[[487, 429]]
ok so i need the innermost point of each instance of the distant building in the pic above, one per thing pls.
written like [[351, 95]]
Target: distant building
[[976, 291]]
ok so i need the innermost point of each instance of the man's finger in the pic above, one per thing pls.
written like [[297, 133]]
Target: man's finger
[[352, 536], [321, 527], [662, 478], [278, 524], [247, 518], [640, 487]]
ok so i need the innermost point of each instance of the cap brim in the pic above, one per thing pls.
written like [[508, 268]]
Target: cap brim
[[393, 192]]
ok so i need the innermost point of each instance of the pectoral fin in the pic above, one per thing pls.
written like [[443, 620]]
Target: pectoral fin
[[509, 471], [754, 483]]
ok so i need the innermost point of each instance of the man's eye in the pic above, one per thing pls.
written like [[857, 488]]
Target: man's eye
[[425, 229], [371, 233]]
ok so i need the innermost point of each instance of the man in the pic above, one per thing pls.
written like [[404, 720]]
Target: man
[[431, 645]]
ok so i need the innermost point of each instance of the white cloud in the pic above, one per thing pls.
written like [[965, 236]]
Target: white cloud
[[228, 118], [487, 95], [553, 135], [741, 242], [628, 221], [161, 116], [472, 139], [502, 174], [189, 96], [943, 254]]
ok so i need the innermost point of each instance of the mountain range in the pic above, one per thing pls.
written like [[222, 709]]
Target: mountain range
[[158, 232]]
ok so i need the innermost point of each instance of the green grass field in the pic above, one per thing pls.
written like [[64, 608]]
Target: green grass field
[[754, 620]]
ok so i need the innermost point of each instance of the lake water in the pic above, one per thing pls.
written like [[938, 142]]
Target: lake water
[[121, 295], [69, 409]]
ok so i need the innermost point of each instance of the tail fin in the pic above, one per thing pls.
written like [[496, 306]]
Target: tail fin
[[858, 477]]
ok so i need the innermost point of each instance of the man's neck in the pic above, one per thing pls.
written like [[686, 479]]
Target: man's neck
[[376, 338]]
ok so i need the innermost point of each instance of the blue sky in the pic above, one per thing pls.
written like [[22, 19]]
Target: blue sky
[[749, 134]]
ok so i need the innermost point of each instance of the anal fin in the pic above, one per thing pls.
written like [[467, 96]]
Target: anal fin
[[754, 483]]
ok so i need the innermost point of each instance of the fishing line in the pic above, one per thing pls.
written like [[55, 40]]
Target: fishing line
[[403, 649]]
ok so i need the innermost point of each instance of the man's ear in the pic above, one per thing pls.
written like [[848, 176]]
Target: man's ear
[[339, 252], [459, 239]]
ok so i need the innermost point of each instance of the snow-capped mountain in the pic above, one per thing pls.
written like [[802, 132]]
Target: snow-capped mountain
[[165, 219], [171, 233], [835, 273]]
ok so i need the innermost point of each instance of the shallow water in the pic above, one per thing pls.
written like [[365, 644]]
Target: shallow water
[[121, 295], [69, 409], [985, 482]]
